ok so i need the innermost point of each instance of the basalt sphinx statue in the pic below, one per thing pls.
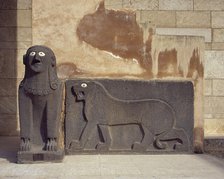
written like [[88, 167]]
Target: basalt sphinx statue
[[40, 97]]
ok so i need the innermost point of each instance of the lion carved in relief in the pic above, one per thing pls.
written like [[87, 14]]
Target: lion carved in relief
[[39, 100]]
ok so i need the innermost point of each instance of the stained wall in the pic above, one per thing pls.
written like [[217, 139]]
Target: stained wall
[[145, 39]]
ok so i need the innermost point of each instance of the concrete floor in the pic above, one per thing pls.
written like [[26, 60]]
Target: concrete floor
[[111, 166]]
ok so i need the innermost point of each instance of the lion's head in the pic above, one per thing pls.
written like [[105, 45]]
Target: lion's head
[[40, 70]]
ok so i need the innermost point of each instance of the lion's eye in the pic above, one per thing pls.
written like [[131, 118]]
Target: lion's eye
[[32, 54], [84, 85], [42, 54]]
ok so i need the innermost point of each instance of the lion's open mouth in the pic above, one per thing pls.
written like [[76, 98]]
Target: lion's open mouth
[[80, 95]]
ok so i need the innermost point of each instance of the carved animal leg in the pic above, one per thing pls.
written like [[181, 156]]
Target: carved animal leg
[[26, 120], [146, 140], [159, 144], [86, 133], [53, 116], [105, 145], [178, 135]]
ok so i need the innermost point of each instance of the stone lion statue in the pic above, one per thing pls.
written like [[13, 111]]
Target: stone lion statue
[[40, 94]]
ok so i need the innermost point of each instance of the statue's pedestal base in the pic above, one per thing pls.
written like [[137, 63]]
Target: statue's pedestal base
[[40, 156]]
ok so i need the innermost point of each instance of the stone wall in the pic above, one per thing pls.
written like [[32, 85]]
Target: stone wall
[[166, 17], [15, 37]]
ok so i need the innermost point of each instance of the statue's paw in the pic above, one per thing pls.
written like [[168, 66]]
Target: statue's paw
[[25, 144], [161, 145], [180, 147], [102, 147], [137, 146], [76, 145], [51, 144]]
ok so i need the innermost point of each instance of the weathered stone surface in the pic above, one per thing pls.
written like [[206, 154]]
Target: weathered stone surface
[[195, 19], [218, 35], [8, 125], [204, 32], [113, 4], [15, 45], [214, 127], [214, 64], [141, 5], [175, 4], [12, 18], [8, 105], [159, 18], [7, 59], [208, 46], [214, 105], [218, 87], [208, 87], [218, 46], [127, 115], [208, 5], [217, 19], [8, 87], [15, 4], [40, 99]]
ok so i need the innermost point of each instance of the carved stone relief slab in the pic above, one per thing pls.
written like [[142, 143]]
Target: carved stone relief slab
[[105, 115]]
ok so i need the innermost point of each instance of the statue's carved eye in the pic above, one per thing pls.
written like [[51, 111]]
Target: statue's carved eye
[[42, 54], [84, 85], [32, 54]]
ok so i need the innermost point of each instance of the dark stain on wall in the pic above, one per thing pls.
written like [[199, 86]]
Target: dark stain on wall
[[116, 32], [167, 64], [195, 65]]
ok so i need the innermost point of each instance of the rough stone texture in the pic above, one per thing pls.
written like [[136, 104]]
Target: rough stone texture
[[218, 87], [142, 108], [208, 5], [14, 45], [23, 18], [214, 64], [218, 46], [194, 19], [8, 123], [15, 4], [141, 5], [214, 105], [204, 32], [40, 99], [159, 18], [218, 35], [214, 127], [215, 146], [8, 87], [218, 19], [208, 87], [8, 105], [175, 4]]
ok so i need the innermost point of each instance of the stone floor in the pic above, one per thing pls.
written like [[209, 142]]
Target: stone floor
[[111, 166]]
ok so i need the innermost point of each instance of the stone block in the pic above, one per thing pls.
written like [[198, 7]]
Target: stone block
[[8, 87], [15, 4], [208, 87], [218, 87], [159, 18], [217, 19], [214, 64], [214, 127], [15, 45], [208, 46], [12, 18], [8, 105], [218, 46], [205, 32], [24, 34], [113, 4], [175, 4], [141, 5], [208, 5], [7, 63], [193, 19], [218, 35], [8, 125], [214, 105], [105, 115]]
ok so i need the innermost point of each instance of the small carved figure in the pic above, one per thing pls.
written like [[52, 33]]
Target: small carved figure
[[155, 118], [40, 94]]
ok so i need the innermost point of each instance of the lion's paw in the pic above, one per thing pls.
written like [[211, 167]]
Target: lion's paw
[[51, 144], [25, 144], [75, 145]]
